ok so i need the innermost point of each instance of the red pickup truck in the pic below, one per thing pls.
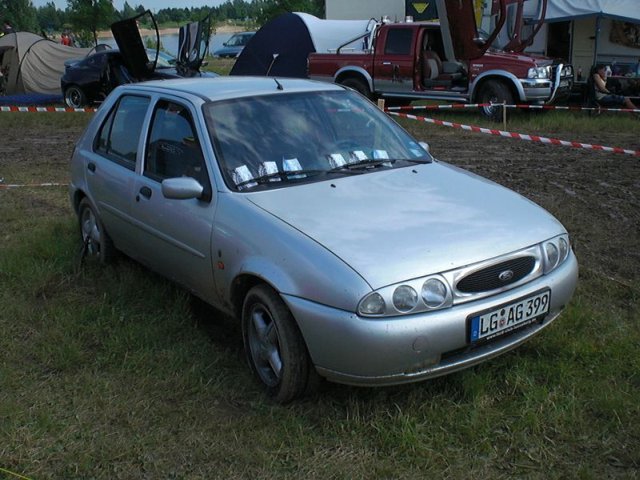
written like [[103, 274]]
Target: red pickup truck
[[447, 60]]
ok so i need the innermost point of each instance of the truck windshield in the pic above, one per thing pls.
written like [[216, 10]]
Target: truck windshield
[[274, 141]]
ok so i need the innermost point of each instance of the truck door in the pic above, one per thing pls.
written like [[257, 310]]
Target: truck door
[[393, 64], [524, 20], [460, 32]]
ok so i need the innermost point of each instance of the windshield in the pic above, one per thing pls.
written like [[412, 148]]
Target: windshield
[[275, 141], [238, 40]]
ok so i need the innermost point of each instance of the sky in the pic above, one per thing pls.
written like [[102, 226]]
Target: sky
[[152, 5]]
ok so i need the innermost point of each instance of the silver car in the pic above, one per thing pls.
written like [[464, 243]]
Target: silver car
[[343, 248]]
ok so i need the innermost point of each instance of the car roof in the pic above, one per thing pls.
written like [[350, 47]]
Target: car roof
[[228, 87]]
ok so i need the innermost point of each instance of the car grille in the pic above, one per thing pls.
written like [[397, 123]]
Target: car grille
[[490, 278]]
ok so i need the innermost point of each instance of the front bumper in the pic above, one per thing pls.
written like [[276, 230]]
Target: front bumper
[[350, 349], [539, 90]]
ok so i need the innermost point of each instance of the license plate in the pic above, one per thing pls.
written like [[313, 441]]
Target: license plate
[[501, 320]]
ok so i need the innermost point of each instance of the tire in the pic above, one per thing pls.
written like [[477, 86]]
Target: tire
[[358, 85], [74, 97], [274, 346], [494, 92], [95, 239]]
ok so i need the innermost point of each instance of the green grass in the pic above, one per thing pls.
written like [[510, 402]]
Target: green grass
[[116, 373]]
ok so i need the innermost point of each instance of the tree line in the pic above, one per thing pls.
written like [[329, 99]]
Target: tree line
[[86, 17]]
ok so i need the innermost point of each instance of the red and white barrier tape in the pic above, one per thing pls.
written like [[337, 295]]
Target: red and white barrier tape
[[440, 107], [13, 108], [521, 106], [32, 185], [520, 136]]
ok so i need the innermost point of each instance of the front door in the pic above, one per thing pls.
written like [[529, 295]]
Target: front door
[[394, 66], [175, 234]]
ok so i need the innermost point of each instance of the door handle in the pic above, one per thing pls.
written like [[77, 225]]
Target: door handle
[[386, 63], [145, 192], [91, 166]]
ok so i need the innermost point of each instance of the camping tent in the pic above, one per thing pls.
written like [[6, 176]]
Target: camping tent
[[33, 63], [282, 45], [625, 10]]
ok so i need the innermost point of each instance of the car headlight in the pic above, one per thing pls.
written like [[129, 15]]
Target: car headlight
[[372, 304], [539, 72], [404, 299], [556, 252]]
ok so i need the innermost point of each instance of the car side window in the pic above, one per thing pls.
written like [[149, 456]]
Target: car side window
[[120, 132], [398, 41], [173, 148]]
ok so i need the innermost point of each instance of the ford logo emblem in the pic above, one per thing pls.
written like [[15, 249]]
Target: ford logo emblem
[[506, 276]]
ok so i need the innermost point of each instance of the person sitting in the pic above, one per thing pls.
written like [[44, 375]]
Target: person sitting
[[602, 95]]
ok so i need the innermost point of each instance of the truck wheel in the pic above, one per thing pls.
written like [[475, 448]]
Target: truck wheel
[[357, 85], [494, 92]]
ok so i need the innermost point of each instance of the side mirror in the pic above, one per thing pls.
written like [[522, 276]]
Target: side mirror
[[181, 188], [424, 145], [225, 44]]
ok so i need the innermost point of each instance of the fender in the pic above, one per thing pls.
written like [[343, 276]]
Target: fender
[[501, 74], [348, 70]]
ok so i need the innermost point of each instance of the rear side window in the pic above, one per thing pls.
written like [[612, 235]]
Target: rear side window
[[398, 41], [120, 132]]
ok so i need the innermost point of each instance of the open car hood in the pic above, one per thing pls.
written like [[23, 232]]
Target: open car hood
[[127, 36], [192, 47]]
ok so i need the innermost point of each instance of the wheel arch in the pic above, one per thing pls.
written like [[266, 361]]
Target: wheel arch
[[506, 78], [354, 72]]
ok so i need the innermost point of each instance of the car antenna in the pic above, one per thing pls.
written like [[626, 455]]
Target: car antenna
[[280, 87]]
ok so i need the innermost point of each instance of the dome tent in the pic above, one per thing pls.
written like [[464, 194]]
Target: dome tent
[[34, 64], [281, 46]]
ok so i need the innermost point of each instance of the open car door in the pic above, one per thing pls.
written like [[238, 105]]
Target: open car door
[[193, 44], [134, 54], [460, 32], [524, 20]]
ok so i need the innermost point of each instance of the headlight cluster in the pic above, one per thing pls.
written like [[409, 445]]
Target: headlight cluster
[[539, 72], [555, 251], [415, 296]]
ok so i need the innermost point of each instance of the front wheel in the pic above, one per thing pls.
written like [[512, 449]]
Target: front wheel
[[274, 345], [497, 93], [358, 85], [74, 97]]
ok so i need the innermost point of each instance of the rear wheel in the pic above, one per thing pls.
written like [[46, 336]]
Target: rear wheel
[[74, 97], [494, 92], [358, 85], [274, 345], [96, 241]]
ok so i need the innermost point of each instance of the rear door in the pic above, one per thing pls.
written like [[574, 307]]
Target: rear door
[[394, 65], [110, 168]]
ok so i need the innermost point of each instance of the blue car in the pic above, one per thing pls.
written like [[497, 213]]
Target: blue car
[[232, 47]]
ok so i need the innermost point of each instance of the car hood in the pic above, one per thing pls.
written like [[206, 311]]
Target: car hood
[[394, 225]]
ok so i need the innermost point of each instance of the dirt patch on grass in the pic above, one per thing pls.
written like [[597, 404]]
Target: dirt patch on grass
[[596, 195]]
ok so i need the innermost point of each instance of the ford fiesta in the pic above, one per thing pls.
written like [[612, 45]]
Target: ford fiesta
[[344, 249]]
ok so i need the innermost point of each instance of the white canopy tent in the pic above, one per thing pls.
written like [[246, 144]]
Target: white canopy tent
[[562, 10]]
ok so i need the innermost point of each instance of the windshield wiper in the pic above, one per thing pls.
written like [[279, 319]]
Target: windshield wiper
[[362, 164], [281, 176]]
